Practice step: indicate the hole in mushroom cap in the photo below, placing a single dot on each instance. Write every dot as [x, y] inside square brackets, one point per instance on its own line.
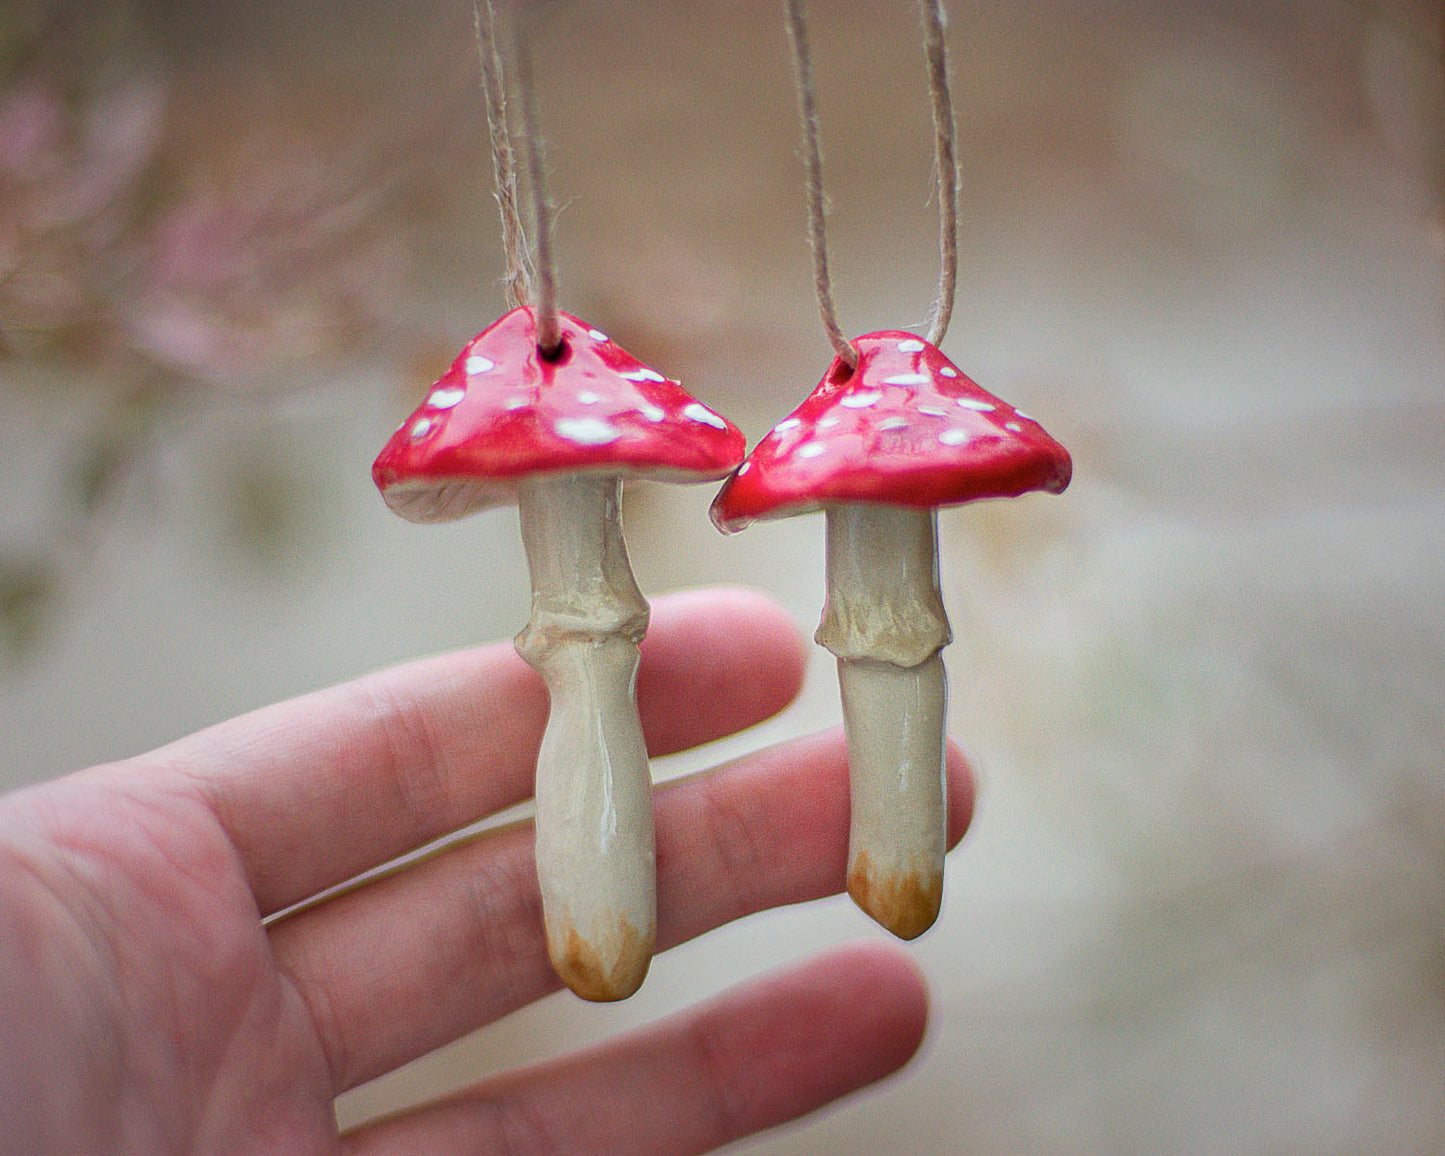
[840, 372]
[557, 355]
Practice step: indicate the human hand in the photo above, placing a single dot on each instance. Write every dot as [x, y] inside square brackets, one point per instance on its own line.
[151, 1001]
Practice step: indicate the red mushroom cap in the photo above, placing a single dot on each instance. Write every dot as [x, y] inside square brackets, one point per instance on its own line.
[503, 412]
[905, 428]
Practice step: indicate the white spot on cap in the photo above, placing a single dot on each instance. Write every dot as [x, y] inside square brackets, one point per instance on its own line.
[932, 411]
[586, 431]
[476, 364]
[912, 346]
[643, 374]
[587, 397]
[893, 423]
[786, 424]
[596, 335]
[811, 450]
[947, 371]
[445, 398]
[420, 428]
[514, 402]
[1020, 413]
[651, 412]
[975, 404]
[862, 400]
[953, 437]
[1013, 425]
[827, 422]
[907, 379]
[744, 468]
[699, 412]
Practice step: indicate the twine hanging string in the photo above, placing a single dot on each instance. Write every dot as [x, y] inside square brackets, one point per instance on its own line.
[504, 171]
[797, 23]
[529, 278]
[548, 334]
[936, 56]
[935, 51]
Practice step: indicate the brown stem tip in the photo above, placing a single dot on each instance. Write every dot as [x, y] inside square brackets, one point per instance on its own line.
[906, 904]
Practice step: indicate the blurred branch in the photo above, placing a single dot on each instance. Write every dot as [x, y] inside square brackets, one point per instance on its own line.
[28, 588]
[175, 239]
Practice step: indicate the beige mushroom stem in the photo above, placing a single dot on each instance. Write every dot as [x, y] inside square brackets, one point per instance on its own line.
[885, 622]
[595, 856]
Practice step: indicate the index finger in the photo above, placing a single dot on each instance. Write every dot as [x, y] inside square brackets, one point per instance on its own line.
[314, 791]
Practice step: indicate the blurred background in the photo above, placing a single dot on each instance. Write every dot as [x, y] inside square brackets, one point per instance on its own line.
[1202, 908]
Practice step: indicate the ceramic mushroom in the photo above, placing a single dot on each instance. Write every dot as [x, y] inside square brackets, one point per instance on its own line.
[557, 435]
[880, 448]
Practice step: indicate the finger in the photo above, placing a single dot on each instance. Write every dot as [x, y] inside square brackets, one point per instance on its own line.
[758, 1055]
[316, 790]
[410, 962]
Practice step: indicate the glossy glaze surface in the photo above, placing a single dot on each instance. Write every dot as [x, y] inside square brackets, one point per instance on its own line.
[503, 412]
[907, 427]
[894, 719]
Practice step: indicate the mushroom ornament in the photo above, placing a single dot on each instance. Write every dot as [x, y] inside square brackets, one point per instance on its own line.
[879, 447]
[557, 435]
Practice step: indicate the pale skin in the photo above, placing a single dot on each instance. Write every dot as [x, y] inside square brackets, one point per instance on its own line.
[146, 1007]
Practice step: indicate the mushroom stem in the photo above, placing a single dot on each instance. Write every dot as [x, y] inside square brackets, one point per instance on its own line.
[884, 620]
[595, 856]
